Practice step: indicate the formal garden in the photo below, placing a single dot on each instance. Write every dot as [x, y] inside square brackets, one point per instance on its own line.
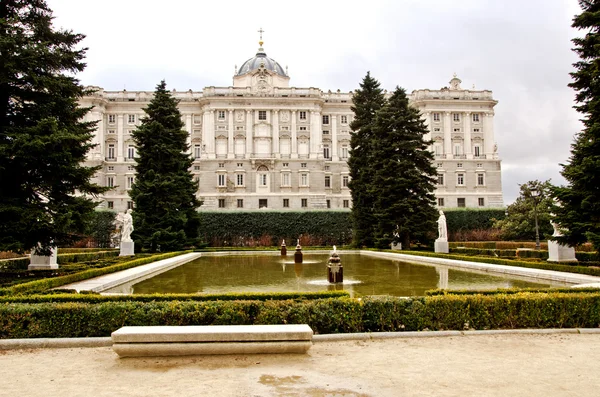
[48, 200]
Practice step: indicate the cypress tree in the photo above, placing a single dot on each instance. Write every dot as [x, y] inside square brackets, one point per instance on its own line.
[578, 203]
[164, 192]
[403, 180]
[45, 191]
[367, 100]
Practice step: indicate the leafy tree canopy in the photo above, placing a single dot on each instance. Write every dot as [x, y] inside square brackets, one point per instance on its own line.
[519, 224]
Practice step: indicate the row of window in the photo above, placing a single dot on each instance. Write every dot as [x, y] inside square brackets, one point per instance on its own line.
[286, 178]
[111, 205]
[263, 203]
[460, 179]
[111, 152]
[461, 202]
[284, 146]
[475, 117]
[112, 118]
[457, 130]
[457, 150]
[110, 181]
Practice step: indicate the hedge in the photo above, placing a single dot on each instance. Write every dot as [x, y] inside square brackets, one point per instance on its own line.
[472, 218]
[62, 296]
[268, 228]
[48, 283]
[574, 268]
[23, 263]
[498, 291]
[324, 316]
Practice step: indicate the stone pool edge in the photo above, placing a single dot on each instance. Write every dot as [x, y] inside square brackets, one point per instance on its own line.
[540, 274]
[106, 282]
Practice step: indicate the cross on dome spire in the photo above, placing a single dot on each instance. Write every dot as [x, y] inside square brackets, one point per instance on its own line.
[261, 31]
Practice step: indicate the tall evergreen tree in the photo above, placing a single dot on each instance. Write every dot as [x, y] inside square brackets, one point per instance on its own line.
[367, 100]
[44, 190]
[578, 209]
[403, 179]
[164, 192]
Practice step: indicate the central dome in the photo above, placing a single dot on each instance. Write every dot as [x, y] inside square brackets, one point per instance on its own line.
[255, 62]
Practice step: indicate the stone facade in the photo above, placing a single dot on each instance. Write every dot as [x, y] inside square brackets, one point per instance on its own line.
[262, 144]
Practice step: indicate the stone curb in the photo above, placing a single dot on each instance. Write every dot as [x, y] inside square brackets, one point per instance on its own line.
[433, 334]
[55, 343]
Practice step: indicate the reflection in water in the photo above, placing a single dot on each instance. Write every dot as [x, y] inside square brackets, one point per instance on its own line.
[269, 273]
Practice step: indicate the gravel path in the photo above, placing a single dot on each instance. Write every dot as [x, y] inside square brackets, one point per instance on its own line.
[483, 365]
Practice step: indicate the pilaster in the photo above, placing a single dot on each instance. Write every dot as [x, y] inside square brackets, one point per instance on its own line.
[334, 141]
[447, 135]
[468, 146]
[120, 138]
[294, 153]
[230, 148]
[249, 135]
[275, 132]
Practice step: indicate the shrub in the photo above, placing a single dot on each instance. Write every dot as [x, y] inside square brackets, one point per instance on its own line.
[441, 312]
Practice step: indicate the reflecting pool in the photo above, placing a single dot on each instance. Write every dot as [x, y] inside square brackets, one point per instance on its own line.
[363, 275]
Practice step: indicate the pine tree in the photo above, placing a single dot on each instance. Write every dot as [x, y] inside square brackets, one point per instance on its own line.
[403, 180]
[44, 190]
[164, 192]
[578, 204]
[366, 102]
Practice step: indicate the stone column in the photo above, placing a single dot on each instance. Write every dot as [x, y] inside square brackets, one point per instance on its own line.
[447, 135]
[97, 153]
[488, 135]
[230, 149]
[205, 132]
[249, 135]
[294, 149]
[120, 142]
[188, 128]
[210, 144]
[468, 146]
[334, 143]
[315, 133]
[275, 138]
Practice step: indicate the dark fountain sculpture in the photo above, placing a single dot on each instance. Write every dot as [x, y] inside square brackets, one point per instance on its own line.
[298, 253]
[335, 270]
[283, 249]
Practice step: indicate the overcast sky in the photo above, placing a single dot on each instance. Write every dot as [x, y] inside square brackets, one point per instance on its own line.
[519, 49]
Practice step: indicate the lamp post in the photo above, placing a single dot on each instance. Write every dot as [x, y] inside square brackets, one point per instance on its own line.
[535, 193]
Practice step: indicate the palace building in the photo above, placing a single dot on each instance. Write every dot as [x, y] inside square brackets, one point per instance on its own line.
[260, 143]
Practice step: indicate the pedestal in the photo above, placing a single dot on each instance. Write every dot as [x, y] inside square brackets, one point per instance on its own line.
[127, 248]
[335, 273]
[43, 262]
[396, 246]
[560, 253]
[441, 246]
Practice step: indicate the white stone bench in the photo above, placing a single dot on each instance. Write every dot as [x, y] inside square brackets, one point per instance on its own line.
[211, 339]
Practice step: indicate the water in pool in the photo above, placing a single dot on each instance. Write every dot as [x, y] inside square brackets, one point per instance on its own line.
[363, 275]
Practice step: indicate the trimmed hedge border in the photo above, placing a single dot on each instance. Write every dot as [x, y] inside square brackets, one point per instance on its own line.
[98, 298]
[22, 263]
[48, 283]
[436, 292]
[515, 253]
[509, 262]
[324, 316]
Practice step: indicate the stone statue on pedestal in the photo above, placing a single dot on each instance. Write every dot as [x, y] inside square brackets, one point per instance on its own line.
[442, 228]
[127, 245]
[441, 244]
